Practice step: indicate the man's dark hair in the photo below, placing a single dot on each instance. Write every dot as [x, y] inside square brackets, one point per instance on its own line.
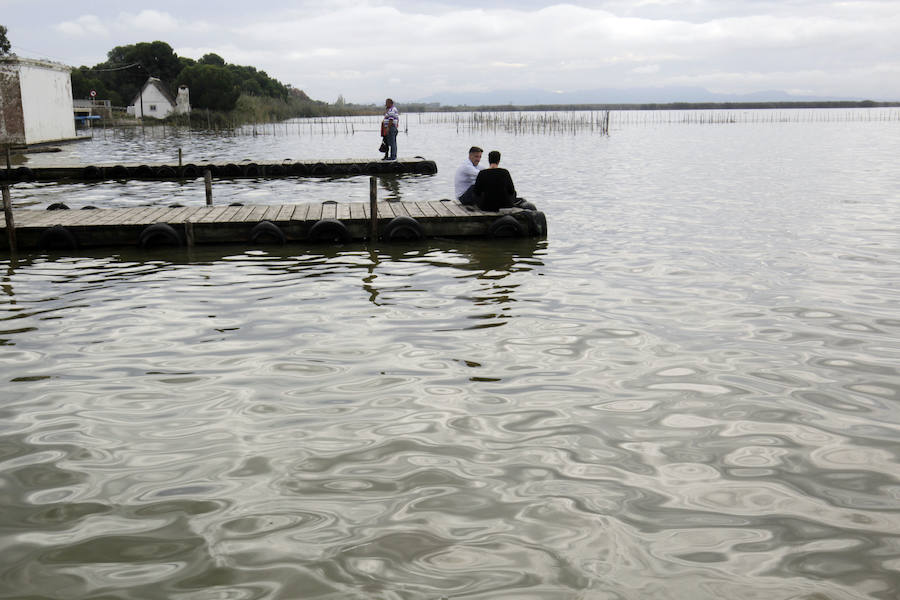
[494, 157]
[475, 149]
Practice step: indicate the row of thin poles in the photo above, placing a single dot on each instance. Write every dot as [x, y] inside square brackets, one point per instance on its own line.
[524, 122]
[315, 126]
[725, 116]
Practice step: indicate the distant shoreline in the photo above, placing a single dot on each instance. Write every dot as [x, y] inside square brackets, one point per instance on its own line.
[417, 107]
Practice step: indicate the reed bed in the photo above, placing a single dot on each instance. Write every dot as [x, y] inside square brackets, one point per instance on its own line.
[726, 116]
[306, 126]
[540, 123]
[515, 122]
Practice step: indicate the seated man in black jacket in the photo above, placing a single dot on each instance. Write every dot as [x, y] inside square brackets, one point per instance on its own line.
[494, 187]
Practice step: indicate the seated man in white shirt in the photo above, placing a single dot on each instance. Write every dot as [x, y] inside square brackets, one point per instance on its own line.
[465, 176]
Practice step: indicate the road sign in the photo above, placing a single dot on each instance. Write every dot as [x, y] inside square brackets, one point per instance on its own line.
[93, 93]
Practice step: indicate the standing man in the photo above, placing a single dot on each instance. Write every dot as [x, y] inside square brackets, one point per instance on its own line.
[494, 187]
[391, 124]
[465, 176]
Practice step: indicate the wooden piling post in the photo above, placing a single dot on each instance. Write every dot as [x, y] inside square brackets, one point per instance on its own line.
[373, 208]
[10, 222]
[207, 178]
[189, 233]
[179, 158]
[8, 159]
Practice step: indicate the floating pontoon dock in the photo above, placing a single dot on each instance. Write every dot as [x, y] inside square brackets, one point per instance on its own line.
[286, 168]
[328, 222]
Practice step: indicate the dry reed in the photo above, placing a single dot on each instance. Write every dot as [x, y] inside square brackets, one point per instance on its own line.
[534, 123]
[517, 122]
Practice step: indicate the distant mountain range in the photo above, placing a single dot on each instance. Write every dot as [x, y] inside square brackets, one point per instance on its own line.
[648, 95]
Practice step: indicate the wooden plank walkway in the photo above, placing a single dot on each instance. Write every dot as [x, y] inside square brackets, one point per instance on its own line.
[156, 172]
[257, 224]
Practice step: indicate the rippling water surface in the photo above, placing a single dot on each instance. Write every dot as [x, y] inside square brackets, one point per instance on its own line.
[690, 390]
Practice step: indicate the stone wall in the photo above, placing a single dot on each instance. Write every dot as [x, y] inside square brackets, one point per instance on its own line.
[12, 121]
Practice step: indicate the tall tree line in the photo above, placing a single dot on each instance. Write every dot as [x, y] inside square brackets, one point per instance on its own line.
[213, 83]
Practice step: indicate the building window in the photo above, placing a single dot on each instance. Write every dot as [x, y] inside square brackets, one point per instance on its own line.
[152, 108]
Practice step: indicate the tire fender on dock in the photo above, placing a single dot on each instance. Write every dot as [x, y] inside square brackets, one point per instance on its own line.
[403, 229]
[425, 167]
[119, 172]
[506, 226]
[143, 172]
[329, 230]
[267, 232]
[91, 172]
[538, 222]
[24, 174]
[58, 238]
[159, 234]
[190, 171]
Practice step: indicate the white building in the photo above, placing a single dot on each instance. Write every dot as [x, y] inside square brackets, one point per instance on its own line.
[35, 102]
[183, 101]
[154, 100]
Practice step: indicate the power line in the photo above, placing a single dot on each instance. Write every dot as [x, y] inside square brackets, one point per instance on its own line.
[17, 49]
[117, 68]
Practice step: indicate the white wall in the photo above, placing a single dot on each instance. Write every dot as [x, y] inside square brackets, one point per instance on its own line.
[152, 97]
[46, 102]
[183, 101]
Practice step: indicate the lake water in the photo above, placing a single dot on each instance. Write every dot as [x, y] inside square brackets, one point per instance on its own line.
[689, 390]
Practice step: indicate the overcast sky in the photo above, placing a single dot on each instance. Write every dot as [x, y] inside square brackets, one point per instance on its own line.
[367, 50]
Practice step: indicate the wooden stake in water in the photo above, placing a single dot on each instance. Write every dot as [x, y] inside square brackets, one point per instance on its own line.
[189, 233]
[179, 158]
[373, 208]
[10, 223]
[207, 178]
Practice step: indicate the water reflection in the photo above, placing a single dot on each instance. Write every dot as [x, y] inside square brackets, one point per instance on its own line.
[391, 185]
[6, 285]
[692, 394]
[489, 261]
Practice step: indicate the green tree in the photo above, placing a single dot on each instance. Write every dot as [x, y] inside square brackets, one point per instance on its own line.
[4, 42]
[251, 87]
[258, 82]
[128, 67]
[84, 80]
[212, 59]
[211, 87]
[157, 58]
[213, 83]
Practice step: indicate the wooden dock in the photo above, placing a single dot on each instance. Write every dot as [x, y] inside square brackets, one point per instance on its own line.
[159, 172]
[328, 222]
